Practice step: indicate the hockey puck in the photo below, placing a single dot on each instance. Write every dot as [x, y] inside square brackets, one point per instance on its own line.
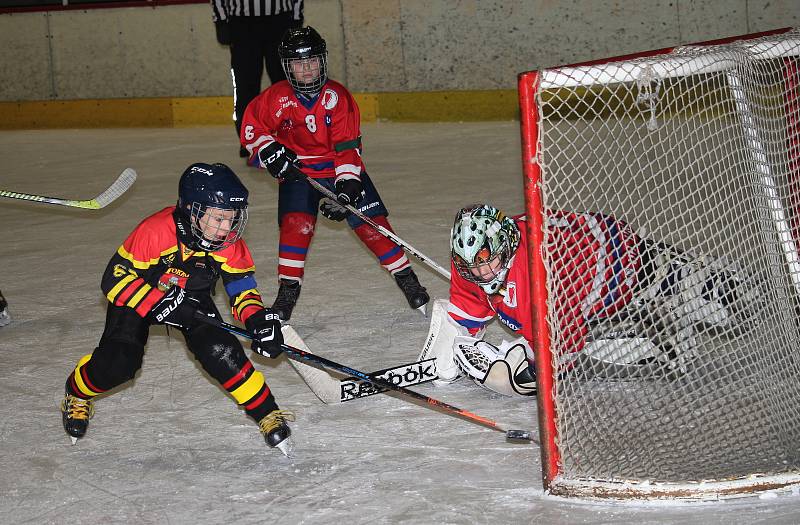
[523, 435]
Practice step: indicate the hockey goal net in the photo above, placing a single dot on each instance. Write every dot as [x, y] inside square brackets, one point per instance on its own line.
[691, 388]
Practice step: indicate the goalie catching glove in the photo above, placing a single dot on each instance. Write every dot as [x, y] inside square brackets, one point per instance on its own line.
[279, 161]
[265, 325]
[504, 370]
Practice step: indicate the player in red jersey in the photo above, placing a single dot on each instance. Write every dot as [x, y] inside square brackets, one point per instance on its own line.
[608, 276]
[312, 123]
[164, 273]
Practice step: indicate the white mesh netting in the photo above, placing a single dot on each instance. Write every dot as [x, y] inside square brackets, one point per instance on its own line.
[671, 184]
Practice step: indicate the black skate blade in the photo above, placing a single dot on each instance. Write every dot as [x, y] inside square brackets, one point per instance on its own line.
[520, 435]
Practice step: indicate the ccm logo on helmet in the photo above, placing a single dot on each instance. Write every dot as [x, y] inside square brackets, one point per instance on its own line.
[202, 170]
[236, 199]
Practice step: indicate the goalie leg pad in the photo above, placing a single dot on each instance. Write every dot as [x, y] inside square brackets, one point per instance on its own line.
[439, 343]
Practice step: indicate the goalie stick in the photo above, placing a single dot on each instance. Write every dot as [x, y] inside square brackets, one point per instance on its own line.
[380, 229]
[331, 390]
[120, 186]
[303, 356]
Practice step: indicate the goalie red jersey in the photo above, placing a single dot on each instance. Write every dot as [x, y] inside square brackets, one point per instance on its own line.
[596, 258]
[323, 130]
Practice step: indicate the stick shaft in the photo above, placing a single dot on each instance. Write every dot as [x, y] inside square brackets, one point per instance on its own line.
[303, 356]
[383, 231]
[117, 188]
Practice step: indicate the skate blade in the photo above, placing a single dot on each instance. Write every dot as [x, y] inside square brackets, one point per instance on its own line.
[423, 310]
[287, 447]
[74, 440]
[5, 318]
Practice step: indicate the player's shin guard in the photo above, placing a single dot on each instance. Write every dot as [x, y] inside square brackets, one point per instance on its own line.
[296, 232]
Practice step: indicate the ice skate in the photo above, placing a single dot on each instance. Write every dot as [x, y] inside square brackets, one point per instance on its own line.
[5, 317]
[415, 293]
[75, 414]
[277, 432]
[288, 293]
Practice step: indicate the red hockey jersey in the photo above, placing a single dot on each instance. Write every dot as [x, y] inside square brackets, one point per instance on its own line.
[324, 132]
[594, 263]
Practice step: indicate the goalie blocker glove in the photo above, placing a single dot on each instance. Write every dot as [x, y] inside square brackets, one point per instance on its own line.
[279, 161]
[265, 325]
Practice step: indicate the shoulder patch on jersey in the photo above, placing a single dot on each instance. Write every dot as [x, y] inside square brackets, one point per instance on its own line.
[329, 99]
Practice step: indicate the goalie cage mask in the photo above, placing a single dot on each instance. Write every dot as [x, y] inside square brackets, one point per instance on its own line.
[212, 207]
[306, 45]
[483, 242]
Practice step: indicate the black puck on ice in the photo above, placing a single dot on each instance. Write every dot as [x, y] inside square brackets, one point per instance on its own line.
[523, 435]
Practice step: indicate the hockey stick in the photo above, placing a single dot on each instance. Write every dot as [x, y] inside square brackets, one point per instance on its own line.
[120, 186]
[331, 390]
[383, 231]
[303, 356]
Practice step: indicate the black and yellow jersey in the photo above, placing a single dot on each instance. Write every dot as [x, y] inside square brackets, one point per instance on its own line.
[151, 260]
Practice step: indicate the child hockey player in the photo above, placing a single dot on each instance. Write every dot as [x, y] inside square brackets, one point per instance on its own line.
[608, 278]
[164, 273]
[312, 123]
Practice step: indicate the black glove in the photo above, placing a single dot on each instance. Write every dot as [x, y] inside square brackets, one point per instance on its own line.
[223, 32]
[267, 336]
[333, 210]
[349, 191]
[279, 161]
[176, 308]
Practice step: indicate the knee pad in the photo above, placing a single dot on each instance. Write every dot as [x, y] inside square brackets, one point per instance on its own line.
[114, 362]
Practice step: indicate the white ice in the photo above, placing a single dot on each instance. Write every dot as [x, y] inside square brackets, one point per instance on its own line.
[172, 447]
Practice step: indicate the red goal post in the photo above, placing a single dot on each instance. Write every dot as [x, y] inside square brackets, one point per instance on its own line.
[696, 147]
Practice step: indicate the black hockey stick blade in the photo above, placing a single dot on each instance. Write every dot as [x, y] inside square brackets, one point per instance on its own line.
[523, 435]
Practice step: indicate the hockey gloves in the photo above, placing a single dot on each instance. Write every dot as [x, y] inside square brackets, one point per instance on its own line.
[265, 325]
[333, 210]
[349, 191]
[279, 162]
[175, 309]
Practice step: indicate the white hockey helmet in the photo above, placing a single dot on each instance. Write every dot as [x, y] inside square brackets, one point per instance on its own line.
[483, 242]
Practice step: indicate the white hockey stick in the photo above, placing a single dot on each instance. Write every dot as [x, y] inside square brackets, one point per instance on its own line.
[331, 390]
[120, 186]
[383, 231]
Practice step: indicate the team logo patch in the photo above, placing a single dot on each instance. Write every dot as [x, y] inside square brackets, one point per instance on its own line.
[329, 99]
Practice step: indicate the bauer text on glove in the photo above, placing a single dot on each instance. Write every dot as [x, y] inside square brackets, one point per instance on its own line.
[176, 308]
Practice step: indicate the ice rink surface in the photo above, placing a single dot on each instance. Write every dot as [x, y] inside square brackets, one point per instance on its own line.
[172, 447]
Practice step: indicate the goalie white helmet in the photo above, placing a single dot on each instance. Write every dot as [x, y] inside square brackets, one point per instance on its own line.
[483, 242]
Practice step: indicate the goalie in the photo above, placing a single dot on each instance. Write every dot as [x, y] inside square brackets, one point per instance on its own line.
[606, 279]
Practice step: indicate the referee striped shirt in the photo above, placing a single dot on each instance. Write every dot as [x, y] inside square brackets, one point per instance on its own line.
[224, 9]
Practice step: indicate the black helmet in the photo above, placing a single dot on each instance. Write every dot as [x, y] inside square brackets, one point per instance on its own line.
[304, 44]
[212, 207]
